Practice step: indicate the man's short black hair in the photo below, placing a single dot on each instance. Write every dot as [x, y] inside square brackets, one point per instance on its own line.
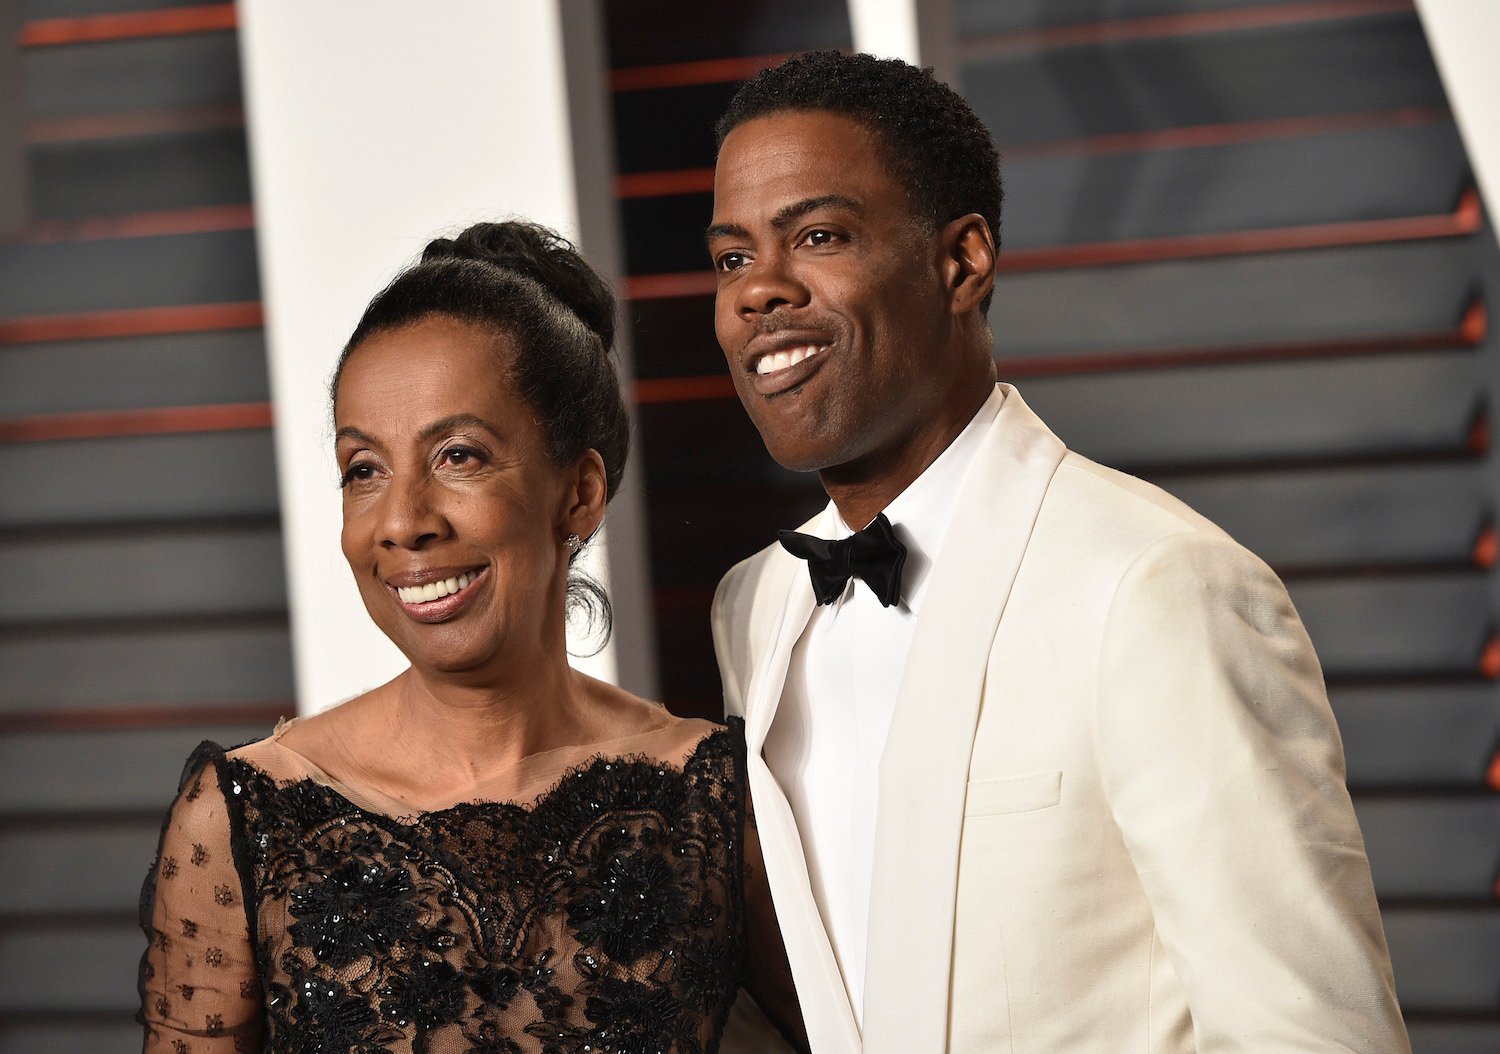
[935, 145]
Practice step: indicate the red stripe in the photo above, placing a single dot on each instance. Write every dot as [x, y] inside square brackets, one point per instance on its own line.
[661, 184]
[94, 719]
[1465, 219]
[681, 74]
[112, 424]
[131, 25]
[202, 220]
[1157, 27]
[1471, 331]
[668, 286]
[132, 322]
[142, 122]
[684, 389]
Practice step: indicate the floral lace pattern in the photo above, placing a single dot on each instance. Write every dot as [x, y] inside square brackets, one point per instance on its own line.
[605, 918]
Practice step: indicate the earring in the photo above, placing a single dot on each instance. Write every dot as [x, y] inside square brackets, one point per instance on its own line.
[573, 542]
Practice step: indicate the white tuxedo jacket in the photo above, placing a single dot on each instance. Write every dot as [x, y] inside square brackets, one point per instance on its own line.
[1112, 810]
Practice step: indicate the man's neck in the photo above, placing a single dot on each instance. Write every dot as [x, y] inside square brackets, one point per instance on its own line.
[863, 489]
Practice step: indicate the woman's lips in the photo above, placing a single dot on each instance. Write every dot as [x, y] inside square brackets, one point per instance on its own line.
[439, 608]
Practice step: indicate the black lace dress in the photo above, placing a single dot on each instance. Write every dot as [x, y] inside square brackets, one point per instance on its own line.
[603, 913]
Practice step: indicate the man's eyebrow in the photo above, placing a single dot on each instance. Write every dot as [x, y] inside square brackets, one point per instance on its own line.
[797, 209]
[788, 215]
[725, 230]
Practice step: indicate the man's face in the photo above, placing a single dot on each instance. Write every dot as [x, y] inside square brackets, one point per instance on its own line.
[831, 305]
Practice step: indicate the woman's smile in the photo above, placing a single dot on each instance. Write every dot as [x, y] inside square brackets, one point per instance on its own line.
[436, 596]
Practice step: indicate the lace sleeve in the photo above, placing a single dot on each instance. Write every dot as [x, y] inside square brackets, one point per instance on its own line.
[199, 990]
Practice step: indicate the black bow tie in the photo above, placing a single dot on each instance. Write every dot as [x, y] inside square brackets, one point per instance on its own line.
[874, 554]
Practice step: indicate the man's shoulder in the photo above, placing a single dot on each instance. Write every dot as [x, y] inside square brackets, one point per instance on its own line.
[1098, 514]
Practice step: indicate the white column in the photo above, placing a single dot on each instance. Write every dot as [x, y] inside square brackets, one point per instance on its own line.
[1463, 35]
[916, 31]
[373, 125]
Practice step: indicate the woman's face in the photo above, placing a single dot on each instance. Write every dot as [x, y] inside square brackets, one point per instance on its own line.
[454, 515]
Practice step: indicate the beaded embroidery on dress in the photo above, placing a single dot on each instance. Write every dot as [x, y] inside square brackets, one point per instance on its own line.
[606, 916]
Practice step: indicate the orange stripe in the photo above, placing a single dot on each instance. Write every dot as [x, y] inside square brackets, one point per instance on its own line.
[1156, 27]
[681, 74]
[131, 25]
[202, 220]
[92, 719]
[141, 122]
[132, 322]
[111, 424]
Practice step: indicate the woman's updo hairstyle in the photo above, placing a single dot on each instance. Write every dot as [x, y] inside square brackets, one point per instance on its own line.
[529, 283]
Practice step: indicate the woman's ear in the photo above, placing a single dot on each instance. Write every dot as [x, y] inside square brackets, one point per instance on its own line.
[588, 492]
[968, 248]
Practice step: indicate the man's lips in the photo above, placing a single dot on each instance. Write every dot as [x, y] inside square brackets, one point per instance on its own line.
[777, 364]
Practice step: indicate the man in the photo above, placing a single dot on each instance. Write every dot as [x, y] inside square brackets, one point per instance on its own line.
[1053, 769]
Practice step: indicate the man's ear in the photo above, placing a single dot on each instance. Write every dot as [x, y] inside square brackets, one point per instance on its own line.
[968, 249]
[588, 491]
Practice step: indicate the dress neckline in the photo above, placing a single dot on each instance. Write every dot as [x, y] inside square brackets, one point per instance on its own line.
[531, 779]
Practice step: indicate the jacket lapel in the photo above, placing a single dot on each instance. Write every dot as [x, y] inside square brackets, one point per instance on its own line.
[820, 987]
[924, 771]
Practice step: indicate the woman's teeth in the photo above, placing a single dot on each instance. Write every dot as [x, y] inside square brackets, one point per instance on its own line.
[780, 360]
[434, 590]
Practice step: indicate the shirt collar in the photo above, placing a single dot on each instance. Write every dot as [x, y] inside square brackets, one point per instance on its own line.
[922, 512]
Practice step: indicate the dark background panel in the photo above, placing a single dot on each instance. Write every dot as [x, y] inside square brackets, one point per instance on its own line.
[122, 76]
[1417, 735]
[209, 476]
[1332, 67]
[120, 273]
[1272, 298]
[653, 32]
[213, 666]
[974, 18]
[660, 129]
[139, 173]
[180, 369]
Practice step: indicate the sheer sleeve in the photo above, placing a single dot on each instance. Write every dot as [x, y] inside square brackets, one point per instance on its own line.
[200, 993]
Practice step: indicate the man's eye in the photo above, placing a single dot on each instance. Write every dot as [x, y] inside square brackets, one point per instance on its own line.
[821, 237]
[730, 261]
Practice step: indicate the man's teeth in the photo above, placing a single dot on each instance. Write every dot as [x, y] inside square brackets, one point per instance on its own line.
[780, 360]
[434, 590]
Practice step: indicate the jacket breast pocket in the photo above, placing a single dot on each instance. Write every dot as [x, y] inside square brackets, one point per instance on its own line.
[1040, 790]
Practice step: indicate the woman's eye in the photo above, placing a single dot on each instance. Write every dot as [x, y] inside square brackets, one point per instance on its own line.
[359, 472]
[460, 457]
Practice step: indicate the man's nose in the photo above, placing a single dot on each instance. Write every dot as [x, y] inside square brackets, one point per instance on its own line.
[769, 284]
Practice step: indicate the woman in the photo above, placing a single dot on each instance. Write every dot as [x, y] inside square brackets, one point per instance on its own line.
[492, 853]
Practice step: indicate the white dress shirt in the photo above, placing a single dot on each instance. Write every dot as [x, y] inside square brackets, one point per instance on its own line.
[825, 743]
